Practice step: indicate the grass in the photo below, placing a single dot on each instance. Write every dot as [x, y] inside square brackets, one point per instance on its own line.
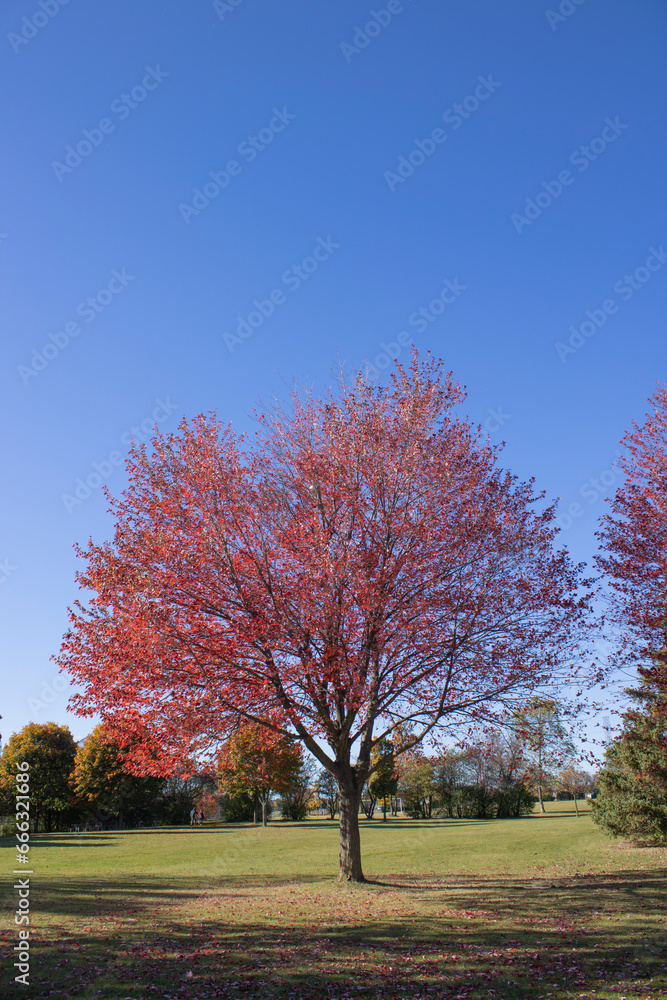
[537, 907]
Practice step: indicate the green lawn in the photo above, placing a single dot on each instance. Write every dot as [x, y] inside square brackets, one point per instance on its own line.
[538, 907]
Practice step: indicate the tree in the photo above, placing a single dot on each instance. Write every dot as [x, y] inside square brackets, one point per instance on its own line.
[364, 562]
[484, 781]
[477, 797]
[632, 786]
[449, 774]
[241, 808]
[180, 793]
[208, 804]
[257, 760]
[102, 781]
[574, 782]
[327, 791]
[50, 750]
[416, 785]
[633, 540]
[384, 779]
[298, 794]
[546, 741]
[506, 769]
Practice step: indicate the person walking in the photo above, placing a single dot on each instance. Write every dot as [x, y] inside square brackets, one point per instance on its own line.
[193, 813]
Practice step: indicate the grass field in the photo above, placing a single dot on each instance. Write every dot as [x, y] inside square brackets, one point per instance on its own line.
[537, 907]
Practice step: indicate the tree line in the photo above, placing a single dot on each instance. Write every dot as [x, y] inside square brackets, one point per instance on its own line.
[256, 770]
[89, 784]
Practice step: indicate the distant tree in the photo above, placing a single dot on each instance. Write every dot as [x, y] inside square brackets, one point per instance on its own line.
[258, 761]
[101, 780]
[179, 794]
[547, 743]
[299, 792]
[241, 808]
[416, 785]
[327, 791]
[477, 797]
[509, 775]
[384, 780]
[632, 786]
[208, 803]
[487, 780]
[50, 750]
[574, 782]
[449, 774]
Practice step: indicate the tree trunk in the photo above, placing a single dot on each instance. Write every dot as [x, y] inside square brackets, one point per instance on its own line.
[350, 841]
[539, 764]
[370, 812]
[263, 812]
[254, 808]
[384, 809]
[539, 793]
[576, 807]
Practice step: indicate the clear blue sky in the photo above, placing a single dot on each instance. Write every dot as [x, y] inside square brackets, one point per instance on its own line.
[304, 120]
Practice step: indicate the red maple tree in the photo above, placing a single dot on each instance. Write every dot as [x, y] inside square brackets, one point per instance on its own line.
[634, 538]
[363, 563]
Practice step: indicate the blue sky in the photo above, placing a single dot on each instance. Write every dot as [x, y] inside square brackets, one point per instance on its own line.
[498, 166]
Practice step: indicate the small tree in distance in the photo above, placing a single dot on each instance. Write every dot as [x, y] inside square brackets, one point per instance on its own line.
[545, 739]
[384, 780]
[297, 795]
[258, 761]
[416, 785]
[327, 791]
[364, 563]
[574, 782]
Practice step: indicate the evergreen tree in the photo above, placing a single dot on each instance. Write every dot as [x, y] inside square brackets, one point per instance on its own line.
[632, 786]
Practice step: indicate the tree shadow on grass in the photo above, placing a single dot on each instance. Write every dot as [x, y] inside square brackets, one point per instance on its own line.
[234, 936]
[93, 839]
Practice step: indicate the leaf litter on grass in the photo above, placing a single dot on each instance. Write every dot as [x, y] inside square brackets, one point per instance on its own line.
[146, 928]
[410, 938]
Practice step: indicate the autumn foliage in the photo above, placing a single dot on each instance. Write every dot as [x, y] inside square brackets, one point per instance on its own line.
[633, 782]
[634, 539]
[362, 562]
[50, 751]
[258, 760]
